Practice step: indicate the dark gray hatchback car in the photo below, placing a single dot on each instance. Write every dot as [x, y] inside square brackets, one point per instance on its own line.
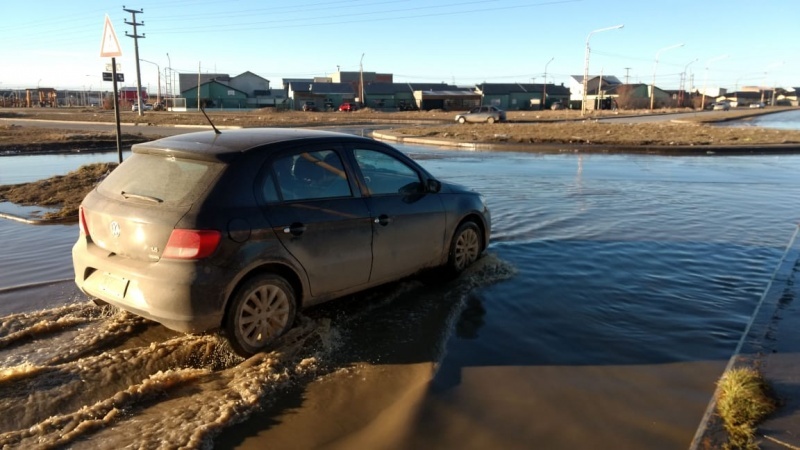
[239, 230]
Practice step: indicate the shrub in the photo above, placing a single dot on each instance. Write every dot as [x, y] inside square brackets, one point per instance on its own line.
[743, 401]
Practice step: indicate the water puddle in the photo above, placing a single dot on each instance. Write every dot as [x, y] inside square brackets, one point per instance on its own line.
[13, 210]
[96, 377]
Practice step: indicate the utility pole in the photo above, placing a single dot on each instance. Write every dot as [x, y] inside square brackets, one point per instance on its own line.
[158, 86]
[136, 37]
[599, 103]
[544, 85]
[627, 74]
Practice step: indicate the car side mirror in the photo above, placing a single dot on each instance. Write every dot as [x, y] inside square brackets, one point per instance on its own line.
[434, 186]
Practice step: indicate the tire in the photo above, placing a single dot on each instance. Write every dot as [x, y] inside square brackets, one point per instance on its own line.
[462, 120]
[262, 310]
[490, 120]
[465, 248]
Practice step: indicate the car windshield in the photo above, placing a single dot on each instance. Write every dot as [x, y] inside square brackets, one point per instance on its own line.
[159, 179]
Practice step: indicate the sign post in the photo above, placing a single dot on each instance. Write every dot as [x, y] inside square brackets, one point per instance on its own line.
[110, 48]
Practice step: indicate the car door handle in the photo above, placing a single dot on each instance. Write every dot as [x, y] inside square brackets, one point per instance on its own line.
[383, 219]
[295, 229]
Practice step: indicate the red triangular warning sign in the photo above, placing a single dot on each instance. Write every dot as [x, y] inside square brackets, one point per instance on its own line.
[110, 47]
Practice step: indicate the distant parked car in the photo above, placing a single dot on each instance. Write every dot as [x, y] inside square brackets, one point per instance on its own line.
[241, 230]
[721, 106]
[758, 105]
[556, 106]
[488, 114]
[310, 106]
[145, 107]
[347, 106]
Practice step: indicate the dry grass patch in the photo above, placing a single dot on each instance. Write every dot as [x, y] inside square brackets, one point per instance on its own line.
[743, 401]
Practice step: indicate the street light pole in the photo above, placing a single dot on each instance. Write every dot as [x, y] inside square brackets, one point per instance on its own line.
[655, 66]
[586, 65]
[683, 81]
[158, 71]
[766, 70]
[544, 85]
[705, 81]
[361, 80]
[170, 87]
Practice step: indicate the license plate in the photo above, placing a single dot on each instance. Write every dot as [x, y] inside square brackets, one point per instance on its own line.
[114, 285]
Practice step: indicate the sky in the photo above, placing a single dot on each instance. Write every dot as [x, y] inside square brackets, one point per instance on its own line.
[729, 44]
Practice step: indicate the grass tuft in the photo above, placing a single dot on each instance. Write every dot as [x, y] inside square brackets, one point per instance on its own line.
[744, 401]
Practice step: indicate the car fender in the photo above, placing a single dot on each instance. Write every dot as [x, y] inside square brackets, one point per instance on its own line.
[278, 263]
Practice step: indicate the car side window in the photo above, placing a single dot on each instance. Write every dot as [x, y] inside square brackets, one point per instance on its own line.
[306, 176]
[384, 174]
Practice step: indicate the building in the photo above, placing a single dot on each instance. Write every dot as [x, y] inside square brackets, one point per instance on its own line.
[424, 96]
[368, 89]
[220, 90]
[325, 95]
[215, 94]
[127, 96]
[516, 96]
[594, 84]
[355, 80]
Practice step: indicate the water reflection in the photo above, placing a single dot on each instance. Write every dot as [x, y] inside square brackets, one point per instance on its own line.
[471, 318]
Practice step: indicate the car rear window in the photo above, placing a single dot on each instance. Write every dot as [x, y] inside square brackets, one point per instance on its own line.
[160, 179]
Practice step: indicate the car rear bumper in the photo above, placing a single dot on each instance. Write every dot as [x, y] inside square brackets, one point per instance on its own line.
[180, 295]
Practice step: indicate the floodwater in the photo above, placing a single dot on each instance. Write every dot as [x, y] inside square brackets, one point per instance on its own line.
[614, 291]
[789, 120]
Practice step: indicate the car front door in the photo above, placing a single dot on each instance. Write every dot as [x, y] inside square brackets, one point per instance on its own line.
[313, 211]
[408, 222]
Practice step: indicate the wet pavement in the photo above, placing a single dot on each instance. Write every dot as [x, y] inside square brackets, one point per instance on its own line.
[771, 343]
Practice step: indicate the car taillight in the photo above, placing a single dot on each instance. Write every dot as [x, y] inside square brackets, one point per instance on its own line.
[191, 244]
[83, 226]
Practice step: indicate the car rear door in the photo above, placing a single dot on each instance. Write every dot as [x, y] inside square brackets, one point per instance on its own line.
[408, 223]
[310, 203]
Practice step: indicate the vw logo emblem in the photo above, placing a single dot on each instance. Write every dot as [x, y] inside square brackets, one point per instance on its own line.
[115, 229]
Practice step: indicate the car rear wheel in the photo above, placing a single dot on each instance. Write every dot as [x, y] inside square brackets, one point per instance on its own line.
[262, 310]
[490, 120]
[465, 248]
[462, 119]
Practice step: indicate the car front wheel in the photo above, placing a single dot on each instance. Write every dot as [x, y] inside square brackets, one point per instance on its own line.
[490, 120]
[262, 310]
[465, 248]
[462, 120]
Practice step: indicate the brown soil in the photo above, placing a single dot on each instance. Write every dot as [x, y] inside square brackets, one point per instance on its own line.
[66, 191]
[33, 140]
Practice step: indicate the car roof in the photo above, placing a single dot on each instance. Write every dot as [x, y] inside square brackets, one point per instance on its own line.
[207, 145]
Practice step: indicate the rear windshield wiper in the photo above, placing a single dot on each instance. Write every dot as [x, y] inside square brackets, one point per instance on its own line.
[148, 198]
